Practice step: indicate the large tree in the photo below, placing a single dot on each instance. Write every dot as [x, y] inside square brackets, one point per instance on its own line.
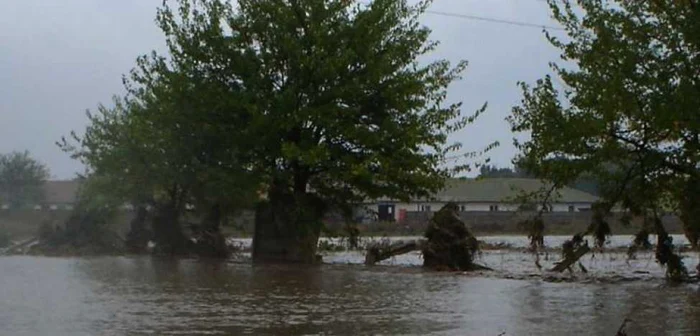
[22, 180]
[334, 99]
[166, 146]
[319, 103]
[625, 109]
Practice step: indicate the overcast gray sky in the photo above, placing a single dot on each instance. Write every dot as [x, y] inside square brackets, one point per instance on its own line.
[61, 57]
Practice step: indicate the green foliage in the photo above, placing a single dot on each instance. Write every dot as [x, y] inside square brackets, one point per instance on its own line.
[85, 232]
[4, 239]
[599, 228]
[641, 241]
[352, 234]
[690, 210]
[21, 179]
[629, 99]
[535, 231]
[489, 171]
[626, 112]
[297, 96]
[538, 201]
[46, 232]
[587, 184]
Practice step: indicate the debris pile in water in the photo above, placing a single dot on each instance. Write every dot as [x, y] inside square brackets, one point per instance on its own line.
[450, 244]
[385, 249]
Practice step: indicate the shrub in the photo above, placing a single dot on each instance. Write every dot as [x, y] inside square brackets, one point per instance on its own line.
[4, 239]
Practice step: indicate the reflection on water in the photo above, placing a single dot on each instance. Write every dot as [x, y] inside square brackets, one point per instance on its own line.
[134, 296]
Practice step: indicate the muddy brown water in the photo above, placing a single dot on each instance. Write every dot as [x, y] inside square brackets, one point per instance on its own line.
[151, 296]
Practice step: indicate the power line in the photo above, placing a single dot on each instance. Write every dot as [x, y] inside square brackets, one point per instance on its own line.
[494, 20]
[489, 19]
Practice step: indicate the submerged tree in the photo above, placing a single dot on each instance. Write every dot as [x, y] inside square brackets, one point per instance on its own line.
[315, 104]
[337, 105]
[167, 146]
[626, 111]
[164, 147]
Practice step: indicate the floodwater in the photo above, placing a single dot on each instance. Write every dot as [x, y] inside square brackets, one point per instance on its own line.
[152, 296]
[515, 241]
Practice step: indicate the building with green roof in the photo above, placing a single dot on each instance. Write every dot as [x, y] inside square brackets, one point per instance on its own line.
[484, 195]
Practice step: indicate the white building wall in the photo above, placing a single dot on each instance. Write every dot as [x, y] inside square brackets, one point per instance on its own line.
[475, 206]
[566, 207]
[369, 211]
[508, 207]
[579, 206]
[416, 206]
[560, 207]
[423, 206]
[435, 206]
[485, 207]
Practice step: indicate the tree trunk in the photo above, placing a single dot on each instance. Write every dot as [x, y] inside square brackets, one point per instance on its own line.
[167, 231]
[690, 211]
[287, 227]
[379, 252]
[211, 242]
[138, 236]
[570, 260]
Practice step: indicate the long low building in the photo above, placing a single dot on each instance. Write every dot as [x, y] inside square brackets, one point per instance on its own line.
[472, 195]
[481, 195]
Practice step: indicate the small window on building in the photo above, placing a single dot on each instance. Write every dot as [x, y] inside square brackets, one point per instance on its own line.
[37, 207]
[425, 208]
[5, 206]
[390, 210]
[493, 208]
[463, 208]
[572, 208]
[68, 207]
[53, 207]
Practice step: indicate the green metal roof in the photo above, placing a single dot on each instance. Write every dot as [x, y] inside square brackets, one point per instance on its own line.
[504, 190]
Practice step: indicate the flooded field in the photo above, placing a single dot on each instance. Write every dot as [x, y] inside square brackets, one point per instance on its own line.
[511, 261]
[515, 242]
[152, 296]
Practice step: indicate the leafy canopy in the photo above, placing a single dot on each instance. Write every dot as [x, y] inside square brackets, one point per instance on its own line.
[627, 111]
[624, 110]
[22, 179]
[306, 95]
